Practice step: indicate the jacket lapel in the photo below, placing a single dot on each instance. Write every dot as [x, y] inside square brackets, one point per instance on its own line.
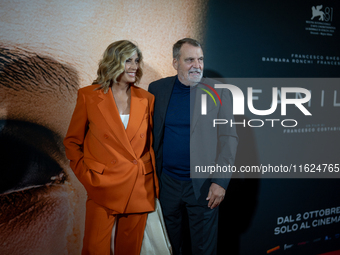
[138, 108]
[197, 105]
[164, 99]
[108, 109]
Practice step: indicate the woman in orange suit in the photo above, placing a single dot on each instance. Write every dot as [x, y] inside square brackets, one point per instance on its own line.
[109, 147]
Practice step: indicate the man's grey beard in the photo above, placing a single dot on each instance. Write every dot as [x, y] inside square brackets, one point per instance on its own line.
[195, 80]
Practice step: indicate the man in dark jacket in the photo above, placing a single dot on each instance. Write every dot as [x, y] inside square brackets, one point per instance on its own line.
[184, 139]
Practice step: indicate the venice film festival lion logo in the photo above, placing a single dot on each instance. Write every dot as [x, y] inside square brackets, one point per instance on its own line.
[316, 12]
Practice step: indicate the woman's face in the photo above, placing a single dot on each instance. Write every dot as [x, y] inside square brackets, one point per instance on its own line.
[49, 49]
[130, 70]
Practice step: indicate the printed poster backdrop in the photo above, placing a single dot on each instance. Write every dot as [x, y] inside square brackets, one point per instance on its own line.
[49, 49]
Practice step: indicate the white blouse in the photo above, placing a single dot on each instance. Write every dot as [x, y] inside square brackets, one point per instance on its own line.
[125, 119]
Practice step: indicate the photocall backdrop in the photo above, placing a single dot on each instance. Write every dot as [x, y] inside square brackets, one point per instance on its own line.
[49, 49]
[266, 44]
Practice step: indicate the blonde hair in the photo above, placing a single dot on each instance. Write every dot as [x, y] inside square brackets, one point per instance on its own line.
[112, 65]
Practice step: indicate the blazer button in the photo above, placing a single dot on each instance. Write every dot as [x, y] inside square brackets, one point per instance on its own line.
[141, 135]
[106, 136]
[113, 161]
[134, 161]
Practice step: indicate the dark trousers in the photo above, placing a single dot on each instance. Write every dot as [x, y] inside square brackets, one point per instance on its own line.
[178, 201]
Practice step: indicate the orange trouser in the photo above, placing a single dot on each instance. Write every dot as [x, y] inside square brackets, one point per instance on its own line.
[98, 228]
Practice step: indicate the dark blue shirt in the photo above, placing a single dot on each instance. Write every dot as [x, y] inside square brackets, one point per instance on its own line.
[176, 142]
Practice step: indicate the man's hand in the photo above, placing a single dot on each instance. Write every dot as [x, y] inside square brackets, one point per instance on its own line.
[215, 196]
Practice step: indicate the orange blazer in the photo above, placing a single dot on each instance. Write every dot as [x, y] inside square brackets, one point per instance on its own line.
[115, 165]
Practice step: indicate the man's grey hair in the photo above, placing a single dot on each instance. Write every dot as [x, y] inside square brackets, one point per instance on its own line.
[178, 45]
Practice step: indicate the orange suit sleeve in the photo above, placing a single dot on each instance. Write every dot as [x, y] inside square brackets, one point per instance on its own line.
[75, 136]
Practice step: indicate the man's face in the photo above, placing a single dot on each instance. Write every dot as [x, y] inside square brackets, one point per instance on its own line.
[189, 66]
